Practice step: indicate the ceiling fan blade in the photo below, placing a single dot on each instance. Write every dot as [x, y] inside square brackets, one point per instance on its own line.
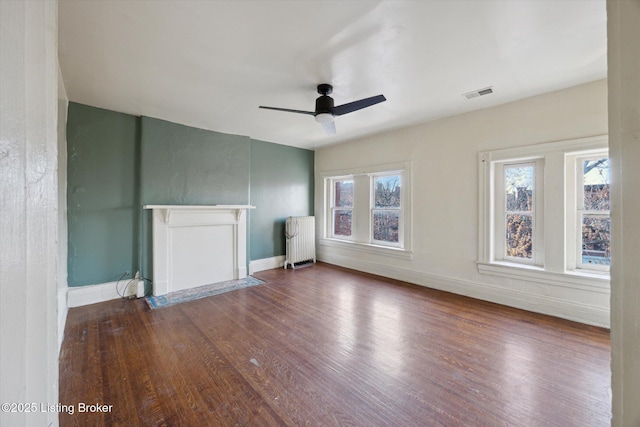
[357, 105]
[289, 110]
[329, 127]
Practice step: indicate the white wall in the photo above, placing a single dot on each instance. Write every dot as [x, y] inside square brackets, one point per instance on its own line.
[624, 124]
[445, 196]
[28, 203]
[63, 107]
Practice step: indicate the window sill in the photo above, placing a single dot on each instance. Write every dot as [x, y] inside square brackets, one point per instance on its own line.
[367, 248]
[579, 279]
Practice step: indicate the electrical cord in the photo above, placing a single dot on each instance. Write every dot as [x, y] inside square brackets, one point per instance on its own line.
[123, 294]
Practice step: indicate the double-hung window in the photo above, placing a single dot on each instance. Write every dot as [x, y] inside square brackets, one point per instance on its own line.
[519, 210]
[386, 209]
[341, 208]
[369, 207]
[593, 220]
[519, 195]
[545, 208]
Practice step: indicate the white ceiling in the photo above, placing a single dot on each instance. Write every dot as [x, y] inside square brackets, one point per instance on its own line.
[210, 64]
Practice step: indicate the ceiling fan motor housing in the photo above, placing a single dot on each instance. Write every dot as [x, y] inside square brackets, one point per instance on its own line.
[324, 104]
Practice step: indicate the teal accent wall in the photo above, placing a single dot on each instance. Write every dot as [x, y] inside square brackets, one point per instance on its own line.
[182, 165]
[102, 194]
[118, 163]
[281, 185]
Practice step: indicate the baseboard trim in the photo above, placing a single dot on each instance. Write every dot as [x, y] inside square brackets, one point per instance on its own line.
[266, 264]
[91, 294]
[579, 312]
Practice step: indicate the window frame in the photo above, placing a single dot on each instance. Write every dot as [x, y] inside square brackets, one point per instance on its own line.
[362, 219]
[580, 211]
[537, 220]
[333, 208]
[557, 263]
[373, 208]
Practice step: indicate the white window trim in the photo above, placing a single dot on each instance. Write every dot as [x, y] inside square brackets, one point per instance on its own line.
[331, 226]
[372, 208]
[370, 246]
[574, 162]
[559, 219]
[537, 213]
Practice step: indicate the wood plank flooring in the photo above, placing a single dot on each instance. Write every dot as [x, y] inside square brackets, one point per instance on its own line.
[327, 346]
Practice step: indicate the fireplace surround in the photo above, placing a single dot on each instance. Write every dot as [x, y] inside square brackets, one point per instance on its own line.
[195, 245]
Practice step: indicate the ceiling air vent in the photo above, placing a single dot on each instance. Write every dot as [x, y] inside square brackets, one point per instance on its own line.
[478, 93]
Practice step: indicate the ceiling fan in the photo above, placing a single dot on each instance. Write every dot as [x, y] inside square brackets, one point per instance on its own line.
[325, 110]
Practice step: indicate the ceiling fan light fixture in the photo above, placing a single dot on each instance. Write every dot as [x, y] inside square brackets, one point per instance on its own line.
[324, 118]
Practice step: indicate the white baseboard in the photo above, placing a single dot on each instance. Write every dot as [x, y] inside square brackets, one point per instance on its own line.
[570, 310]
[266, 264]
[91, 294]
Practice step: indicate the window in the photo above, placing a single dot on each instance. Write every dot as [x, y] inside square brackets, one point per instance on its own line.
[545, 208]
[342, 208]
[519, 212]
[386, 209]
[369, 208]
[593, 213]
[518, 198]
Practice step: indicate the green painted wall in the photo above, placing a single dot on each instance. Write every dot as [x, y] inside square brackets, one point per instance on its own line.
[102, 194]
[118, 163]
[182, 165]
[281, 185]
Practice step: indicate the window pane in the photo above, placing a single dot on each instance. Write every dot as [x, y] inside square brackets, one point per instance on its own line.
[385, 225]
[342, 223]
[518, 234]
[596, 239]
[518, 183]
[387, 191]
[596, 184]
[343, 194]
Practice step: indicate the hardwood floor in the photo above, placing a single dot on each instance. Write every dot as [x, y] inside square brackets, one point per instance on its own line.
[326, 346]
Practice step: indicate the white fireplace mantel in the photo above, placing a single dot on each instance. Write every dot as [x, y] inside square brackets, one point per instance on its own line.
[196, 245]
